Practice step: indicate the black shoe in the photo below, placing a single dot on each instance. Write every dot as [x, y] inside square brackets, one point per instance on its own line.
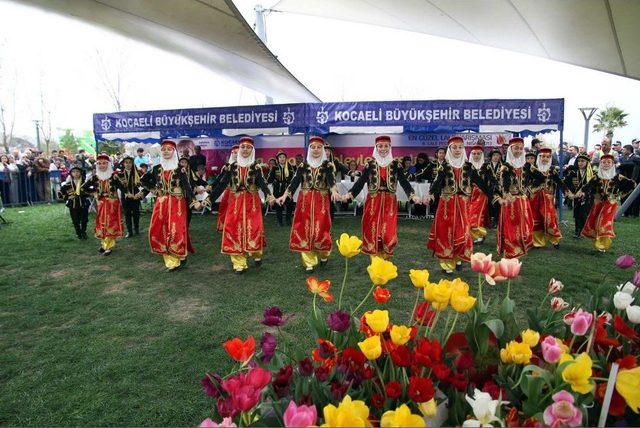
[183, 262]
[459, 267]
[308, 269]
[576, 236]
[79, 236]
[106, 253]
[323, 263]
[239, 272]
[84, 235]
[447, 272]
[556, 246]
[101, 250]
[258, 262]
[128, 235]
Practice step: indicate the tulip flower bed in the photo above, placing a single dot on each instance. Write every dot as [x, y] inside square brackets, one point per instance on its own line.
[454, 358]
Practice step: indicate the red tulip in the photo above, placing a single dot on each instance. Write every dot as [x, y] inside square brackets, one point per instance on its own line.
[239, 350]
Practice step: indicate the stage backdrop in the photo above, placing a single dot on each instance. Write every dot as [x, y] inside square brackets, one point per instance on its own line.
[348, 147]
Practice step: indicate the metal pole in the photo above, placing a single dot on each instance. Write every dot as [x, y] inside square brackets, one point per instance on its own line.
[261, 31]
[561, 162]
[587, 118]
[627, 203]
[37, 122]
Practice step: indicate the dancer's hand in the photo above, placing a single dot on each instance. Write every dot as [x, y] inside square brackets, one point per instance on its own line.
[271, 200]
[345, 198]
[281, 199]
[336, 197]
[416, 200]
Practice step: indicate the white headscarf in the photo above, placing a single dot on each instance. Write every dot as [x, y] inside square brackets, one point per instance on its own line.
[170, 164]
[456, 163]
[315, 162]
[516, 162]
[542, 167]
[382, 161]
[608, 174]
[104, 175]
[233, 157]
[478, 164]
[248, 160]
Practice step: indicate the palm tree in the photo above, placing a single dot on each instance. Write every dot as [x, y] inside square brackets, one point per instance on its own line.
[609, 119]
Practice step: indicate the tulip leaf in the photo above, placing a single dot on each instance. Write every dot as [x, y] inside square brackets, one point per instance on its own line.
[496, 326]
[507, 307]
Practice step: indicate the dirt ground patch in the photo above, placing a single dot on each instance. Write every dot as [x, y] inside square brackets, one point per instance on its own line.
[119, 286]
[186, 309]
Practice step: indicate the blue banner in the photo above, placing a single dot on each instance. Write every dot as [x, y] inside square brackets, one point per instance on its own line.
[445, 116]
[434, 116]
[201, 120]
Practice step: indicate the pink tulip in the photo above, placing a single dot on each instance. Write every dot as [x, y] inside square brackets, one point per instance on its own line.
[509, 268]
[562, 412]
[551, 351]
[300, 416]
[481, 263]
[636, 278]
[207, 423]
[581, 322]
[259, 377]
[625, 261]
[245, 398]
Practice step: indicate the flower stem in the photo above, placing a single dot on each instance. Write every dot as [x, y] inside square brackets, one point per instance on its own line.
[508, 288]
[433, 324]
[480, 293]
[415, 305]
[344, 280]
[455, 319]
[315, 312]
[363, 300]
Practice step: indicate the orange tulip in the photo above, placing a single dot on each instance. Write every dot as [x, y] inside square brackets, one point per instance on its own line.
[320, 288]
[239, 350]
[381, 295]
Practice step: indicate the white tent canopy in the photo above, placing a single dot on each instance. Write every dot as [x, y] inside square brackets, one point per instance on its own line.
[598, 34]
[210, 32]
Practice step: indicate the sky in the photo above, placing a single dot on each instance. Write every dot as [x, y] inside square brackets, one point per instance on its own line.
[337, 60]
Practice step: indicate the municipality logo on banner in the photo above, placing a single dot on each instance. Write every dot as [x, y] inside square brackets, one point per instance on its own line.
[322, 116]
[544, 113]
[288, 117]
[105, 124]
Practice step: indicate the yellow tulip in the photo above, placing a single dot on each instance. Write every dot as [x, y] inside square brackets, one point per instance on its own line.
[530, 337]
[400, 334]
[428, 408]
[516, 352]
[381, 271]
[461, 302]
[371, 347]
[428, 291]
[349, 246]
[377, 320]
[458, 285]
[419, 278]
[628, 385]
[578, 374]
[441, 295]
[401, 417]
[349, 413]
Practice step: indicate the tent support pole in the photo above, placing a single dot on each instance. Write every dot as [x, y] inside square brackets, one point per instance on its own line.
[561, 161]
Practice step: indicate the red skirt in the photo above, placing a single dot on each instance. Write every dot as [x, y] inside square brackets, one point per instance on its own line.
[544, 214]
[108, 219]
[168, 231]
[311, 230]
[515, 228]
[599, 222]
[449, 237]
[222, 209]
[243, 230]
[478, 209]
[380, 223]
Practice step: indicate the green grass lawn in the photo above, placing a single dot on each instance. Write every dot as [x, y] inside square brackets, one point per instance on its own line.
[90, 340]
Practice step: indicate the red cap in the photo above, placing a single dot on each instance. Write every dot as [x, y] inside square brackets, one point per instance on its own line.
[316, 139]
[607, 157]
[168, 143]
[477, 147]
[455, 139]
[381, 138]
[544, 150]
[247, 140]
[516, 140]
[103, 156]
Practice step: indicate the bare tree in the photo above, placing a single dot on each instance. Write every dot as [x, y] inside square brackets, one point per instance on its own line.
[7, 106]
[110, 68]
[46, 128]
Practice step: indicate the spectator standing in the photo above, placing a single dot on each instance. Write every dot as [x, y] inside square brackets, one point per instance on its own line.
[606, 150]
[630, 168]
[197, 159]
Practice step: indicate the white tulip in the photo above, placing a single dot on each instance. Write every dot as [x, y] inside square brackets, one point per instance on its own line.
[628, 288]
[633, 313]
[621, 300]
[484, 409]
